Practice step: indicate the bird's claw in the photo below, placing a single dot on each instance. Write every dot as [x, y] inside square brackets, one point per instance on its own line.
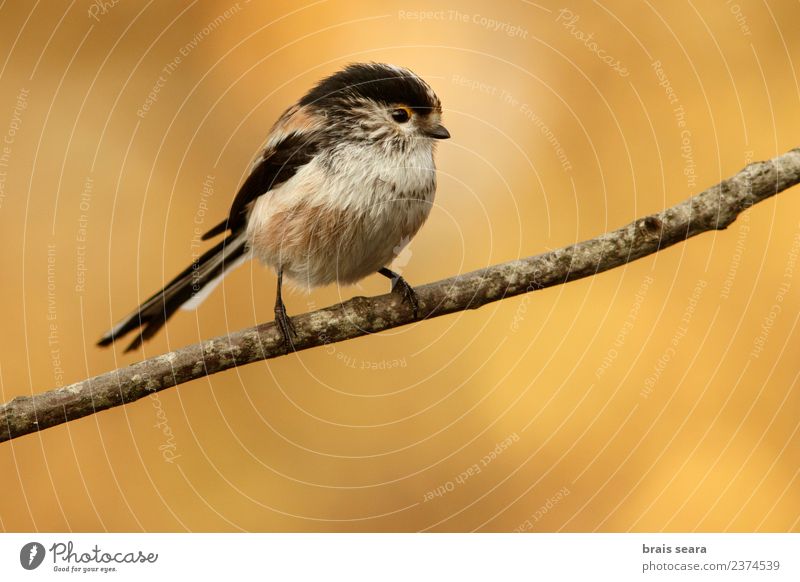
[284, 323]
[401, 287]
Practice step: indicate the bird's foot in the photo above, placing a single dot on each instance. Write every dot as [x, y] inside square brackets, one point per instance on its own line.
[284, 323]
[401, 287]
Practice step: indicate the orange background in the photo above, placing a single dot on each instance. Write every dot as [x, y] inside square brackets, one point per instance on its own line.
[659, 396]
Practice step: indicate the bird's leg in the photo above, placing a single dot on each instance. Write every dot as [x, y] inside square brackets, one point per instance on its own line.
[400, 286]
[282, 320]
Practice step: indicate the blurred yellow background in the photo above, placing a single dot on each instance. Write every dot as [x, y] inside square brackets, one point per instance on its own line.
[662, 396]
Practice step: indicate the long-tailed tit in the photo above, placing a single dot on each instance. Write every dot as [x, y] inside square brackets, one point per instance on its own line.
[346, 179]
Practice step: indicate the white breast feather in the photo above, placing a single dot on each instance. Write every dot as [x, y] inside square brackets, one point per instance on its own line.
[385, 197]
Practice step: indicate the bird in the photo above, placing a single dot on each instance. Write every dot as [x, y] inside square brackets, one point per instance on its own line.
[345, 180]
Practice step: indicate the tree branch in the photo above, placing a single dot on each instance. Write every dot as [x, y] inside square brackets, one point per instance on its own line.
[713, 209]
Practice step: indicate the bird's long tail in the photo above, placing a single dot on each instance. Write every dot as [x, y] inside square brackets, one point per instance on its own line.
[187, 290]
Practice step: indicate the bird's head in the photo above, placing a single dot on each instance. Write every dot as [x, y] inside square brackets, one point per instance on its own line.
[378, 103]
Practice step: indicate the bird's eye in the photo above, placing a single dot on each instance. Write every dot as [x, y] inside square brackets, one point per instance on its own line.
[401, 115]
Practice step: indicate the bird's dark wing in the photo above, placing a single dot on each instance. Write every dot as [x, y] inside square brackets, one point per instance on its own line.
[294, 145]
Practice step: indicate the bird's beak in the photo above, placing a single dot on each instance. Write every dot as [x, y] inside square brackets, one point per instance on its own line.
[437, 131]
